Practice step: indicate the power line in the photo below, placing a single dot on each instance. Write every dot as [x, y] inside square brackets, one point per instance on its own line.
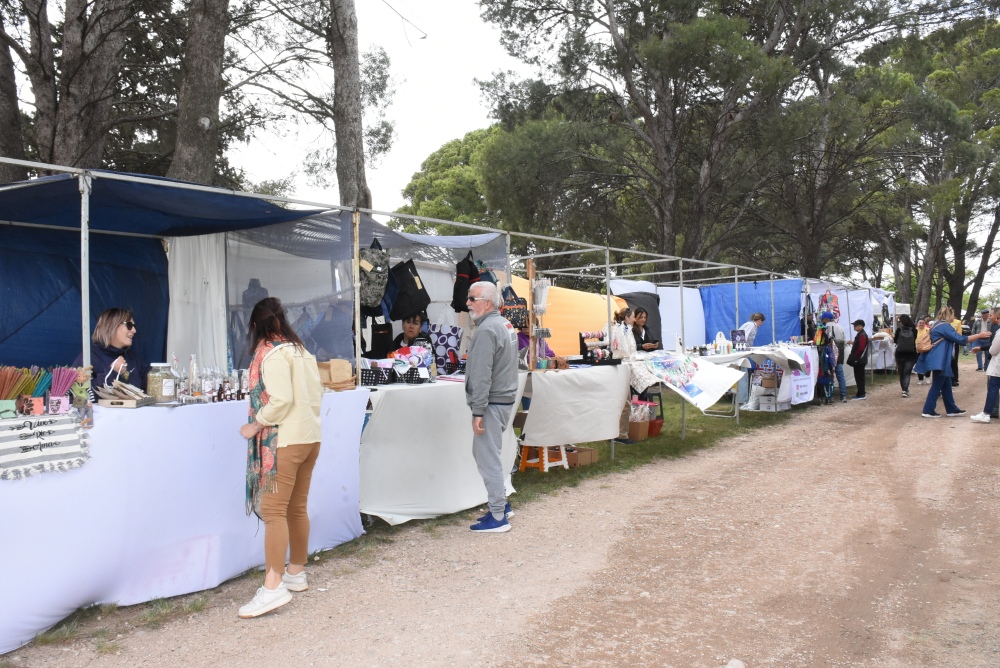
[405, 20]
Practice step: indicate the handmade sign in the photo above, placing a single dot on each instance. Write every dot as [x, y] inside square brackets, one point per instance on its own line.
[38, 444]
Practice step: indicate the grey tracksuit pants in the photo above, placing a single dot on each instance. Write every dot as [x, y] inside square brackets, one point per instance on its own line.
[486, 451]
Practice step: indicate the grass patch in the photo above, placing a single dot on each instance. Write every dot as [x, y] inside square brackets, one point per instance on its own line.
[108, 608]
[195, 604]
[61, 634]
[156, 612]
[701, 432]
[107, 647]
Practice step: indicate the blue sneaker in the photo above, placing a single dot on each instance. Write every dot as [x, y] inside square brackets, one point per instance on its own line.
[491, 525]
[508, 513]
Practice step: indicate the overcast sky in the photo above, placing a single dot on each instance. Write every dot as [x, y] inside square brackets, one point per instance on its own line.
[436, 98]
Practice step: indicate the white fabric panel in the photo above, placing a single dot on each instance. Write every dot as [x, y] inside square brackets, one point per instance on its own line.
[158, 511]
[196, 322]
[416, 453]
[670, 317]
[859, 304]
[883, 353]
[621, 286]
[576, 405]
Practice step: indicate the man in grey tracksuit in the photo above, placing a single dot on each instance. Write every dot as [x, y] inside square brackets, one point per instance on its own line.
[490, 391]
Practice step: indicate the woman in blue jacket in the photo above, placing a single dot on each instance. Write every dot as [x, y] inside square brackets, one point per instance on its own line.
[937, 362]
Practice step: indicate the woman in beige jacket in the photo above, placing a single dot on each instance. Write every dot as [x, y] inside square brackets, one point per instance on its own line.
[283, 436]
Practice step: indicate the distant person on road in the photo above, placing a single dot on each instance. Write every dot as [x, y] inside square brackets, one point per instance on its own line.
[837, 334]
[937, 362]
[858, 359]
[981, 324]
[992, 385]
[905, 339]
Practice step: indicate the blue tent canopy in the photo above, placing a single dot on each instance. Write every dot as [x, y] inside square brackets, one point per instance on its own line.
[40, 273]
[138, 208]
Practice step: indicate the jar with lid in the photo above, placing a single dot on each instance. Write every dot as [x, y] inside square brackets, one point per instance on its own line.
[160, 383]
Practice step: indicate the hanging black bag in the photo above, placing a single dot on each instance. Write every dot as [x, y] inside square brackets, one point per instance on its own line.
[412, 297]
[381, 341]
[466, 274]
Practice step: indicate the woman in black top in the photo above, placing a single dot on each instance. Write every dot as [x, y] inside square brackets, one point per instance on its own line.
[905, 339]
[411, 335]
[643, 341]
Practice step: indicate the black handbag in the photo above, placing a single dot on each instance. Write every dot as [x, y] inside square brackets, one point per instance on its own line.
[381, 340]
[412, 298]
[466, 273]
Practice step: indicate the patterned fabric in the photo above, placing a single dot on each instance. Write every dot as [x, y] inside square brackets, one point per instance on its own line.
[262, 461]
[443, 339]
[37, 444]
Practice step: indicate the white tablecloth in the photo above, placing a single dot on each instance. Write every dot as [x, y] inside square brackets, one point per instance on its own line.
[576, 405]
[157, 511]
[416, 453]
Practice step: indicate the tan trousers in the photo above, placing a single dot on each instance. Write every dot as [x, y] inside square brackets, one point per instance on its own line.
[286, 520]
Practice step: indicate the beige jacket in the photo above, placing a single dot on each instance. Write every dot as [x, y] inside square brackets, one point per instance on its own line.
[291, 378]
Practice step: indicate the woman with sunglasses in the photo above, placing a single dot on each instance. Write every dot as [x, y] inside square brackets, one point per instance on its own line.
[111, 352]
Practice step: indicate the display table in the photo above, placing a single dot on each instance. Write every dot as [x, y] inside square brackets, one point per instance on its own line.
[416, 452]
[157, 511]
[576, 405]
[800, 364]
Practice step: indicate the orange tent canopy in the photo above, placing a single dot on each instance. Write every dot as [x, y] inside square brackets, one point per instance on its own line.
[570, 312]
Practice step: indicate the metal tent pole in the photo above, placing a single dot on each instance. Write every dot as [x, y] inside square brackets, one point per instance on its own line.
[85, 188]
[774, 328]
[681, 351]
[607, 291]
[356, 275]
[736, 287]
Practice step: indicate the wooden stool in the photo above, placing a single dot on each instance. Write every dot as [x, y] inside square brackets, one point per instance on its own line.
[542, 463]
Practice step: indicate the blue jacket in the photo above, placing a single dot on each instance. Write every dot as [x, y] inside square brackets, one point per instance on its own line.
[102, 358]
[939, 357]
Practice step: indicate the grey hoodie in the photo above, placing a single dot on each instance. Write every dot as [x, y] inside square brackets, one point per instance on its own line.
[491, 367]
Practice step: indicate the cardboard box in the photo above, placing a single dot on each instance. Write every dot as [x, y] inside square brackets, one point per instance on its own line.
[638, 431]
[767, 400]
[581, 457]
[769, 381]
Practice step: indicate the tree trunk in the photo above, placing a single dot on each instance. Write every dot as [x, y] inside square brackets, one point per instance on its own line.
[985, 263]
[11, 143]
[200, 92]
[91, 60]
[342, 46]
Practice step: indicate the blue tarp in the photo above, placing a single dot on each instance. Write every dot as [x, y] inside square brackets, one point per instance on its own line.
[40, 293]
[143, 208]
[40, 320]
[719, 303]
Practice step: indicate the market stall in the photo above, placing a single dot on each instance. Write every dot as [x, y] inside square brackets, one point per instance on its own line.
[158, 510]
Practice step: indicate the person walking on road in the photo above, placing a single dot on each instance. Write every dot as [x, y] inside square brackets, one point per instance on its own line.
[490, 391]
[937, 362]
[905, 339]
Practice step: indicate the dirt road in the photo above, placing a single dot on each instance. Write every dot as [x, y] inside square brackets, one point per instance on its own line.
[853, 535]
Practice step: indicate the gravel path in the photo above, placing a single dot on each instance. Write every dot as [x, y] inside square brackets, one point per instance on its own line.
[853, 535]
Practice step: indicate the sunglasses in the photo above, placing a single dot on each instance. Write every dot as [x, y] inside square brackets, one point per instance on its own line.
[129, 325]
[477, 299]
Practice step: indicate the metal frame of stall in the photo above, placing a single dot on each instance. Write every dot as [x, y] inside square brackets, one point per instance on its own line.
[700, 265]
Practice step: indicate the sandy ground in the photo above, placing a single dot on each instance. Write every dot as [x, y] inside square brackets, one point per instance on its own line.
[853, 535]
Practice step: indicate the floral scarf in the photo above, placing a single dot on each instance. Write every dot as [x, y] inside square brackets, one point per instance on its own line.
[262, 462]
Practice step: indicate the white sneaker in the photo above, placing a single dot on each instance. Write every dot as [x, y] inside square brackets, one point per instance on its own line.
[980, 417]
[266, 600]
[295, 582]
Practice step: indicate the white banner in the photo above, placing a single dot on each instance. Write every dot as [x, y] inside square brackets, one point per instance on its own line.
[699, 381]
